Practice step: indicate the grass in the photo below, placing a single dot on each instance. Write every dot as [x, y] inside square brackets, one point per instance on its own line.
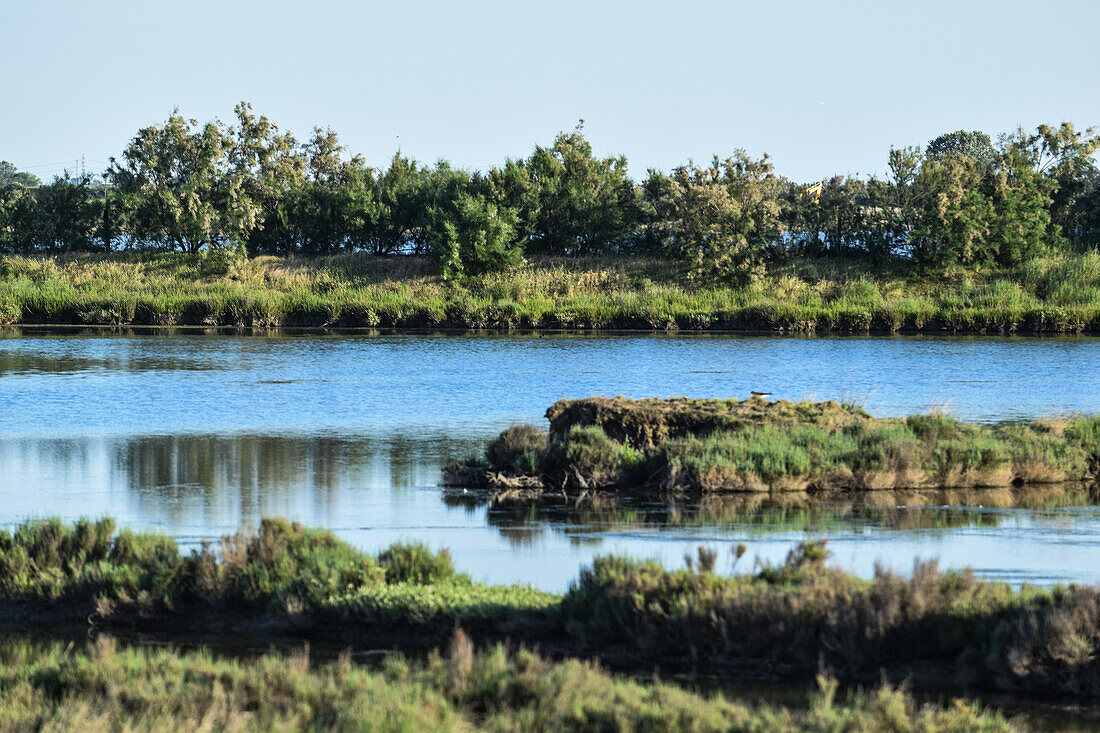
[1057, 293]
[793, 619]
[105, 686]
[755, 445]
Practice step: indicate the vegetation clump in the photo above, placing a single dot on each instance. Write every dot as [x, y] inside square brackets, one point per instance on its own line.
[283, 573]
[755, 445]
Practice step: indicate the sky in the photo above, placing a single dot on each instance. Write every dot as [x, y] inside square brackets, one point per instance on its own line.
[824, 87]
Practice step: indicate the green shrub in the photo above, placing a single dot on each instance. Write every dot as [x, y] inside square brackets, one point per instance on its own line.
[415, 563]
[520, 450]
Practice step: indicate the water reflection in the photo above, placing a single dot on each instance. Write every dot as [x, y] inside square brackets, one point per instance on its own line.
[215, 481]
[586, 519]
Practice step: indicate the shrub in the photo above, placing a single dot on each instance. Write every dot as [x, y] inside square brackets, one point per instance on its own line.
[519, 450]
[415, 563]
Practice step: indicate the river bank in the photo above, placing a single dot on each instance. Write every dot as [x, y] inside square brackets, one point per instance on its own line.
[1055, 294]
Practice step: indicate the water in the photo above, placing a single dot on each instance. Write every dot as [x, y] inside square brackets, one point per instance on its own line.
[195, 435]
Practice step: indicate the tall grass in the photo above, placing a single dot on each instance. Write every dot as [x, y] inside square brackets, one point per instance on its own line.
[1056, 293]
[801, 615]
[104, 686]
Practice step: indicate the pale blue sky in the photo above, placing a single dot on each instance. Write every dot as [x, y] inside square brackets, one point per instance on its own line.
[824, 87]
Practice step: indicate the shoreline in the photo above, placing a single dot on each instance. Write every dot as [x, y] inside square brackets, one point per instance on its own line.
[1055, 295]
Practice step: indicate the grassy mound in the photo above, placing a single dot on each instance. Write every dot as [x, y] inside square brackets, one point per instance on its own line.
[801, 615]
[283, 574]
[757, 445]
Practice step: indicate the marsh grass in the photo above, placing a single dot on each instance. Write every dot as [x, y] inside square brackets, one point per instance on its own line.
[791, 618]
[281, 571]
[105, 686]
[801, 614]
[1056, 293]
[682, 444]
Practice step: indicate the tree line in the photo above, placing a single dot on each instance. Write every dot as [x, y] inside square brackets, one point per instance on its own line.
[249, 186]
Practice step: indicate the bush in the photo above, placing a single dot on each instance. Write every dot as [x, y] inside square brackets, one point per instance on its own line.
[589, 458]
[415, 563]
[520, 450]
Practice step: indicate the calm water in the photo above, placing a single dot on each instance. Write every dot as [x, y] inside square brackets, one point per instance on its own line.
[195, 434]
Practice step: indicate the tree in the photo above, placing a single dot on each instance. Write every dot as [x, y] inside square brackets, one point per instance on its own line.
[272, 171]
[66, 215]
[12, 176]
[399, 214]
[13, 201]
[974, 144]
[1067, 157]
[324, 220]
[720, 218]
[471, 235]
[1024, 199]
[957, 215]
[177, 181]
[576, 203]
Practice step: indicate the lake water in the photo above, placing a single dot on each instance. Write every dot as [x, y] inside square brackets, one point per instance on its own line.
[195, 435]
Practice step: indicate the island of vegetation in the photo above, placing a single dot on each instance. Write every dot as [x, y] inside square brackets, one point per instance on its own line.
[754, 445]
[244, 225]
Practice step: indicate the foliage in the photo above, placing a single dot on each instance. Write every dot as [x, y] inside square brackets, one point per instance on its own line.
[182, 185]
[975, 145]
[12, 176]
[755, 445]
[519, 450]
[794, 618]
[719, 218]
[472, 235]
[573, 202]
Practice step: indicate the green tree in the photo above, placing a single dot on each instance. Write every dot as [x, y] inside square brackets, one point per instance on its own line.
[577, 203]
[272, 171]
[178, 184]
[12, 176]
[1066, 156]
[721, 217]
[974, 144]
[399, 215]
[957, 216]
[325, 222]
[14, 200]
[471, 235]
[67, 215]
[1024, 200]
